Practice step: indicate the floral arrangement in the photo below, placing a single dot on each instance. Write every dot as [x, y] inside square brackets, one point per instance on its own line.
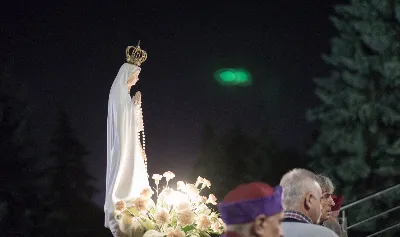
[176, 213]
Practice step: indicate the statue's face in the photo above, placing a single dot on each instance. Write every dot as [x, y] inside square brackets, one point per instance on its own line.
[133, 78]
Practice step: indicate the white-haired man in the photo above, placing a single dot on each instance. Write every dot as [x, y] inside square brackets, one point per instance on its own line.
[301, 199]
[327, 202]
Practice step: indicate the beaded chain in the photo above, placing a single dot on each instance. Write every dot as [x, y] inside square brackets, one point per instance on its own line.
[143, 140]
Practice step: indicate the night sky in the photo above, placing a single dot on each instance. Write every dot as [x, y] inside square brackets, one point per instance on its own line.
[70, 53]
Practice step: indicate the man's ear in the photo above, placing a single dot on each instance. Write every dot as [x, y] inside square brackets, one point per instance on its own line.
[259, 223]
[308, 200]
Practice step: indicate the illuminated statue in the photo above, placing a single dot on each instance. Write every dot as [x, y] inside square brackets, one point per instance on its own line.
[126, 160]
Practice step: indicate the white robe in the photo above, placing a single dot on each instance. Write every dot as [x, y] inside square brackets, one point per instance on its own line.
[126, 172]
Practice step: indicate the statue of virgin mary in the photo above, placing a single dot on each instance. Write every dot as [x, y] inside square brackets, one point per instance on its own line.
[126, 169]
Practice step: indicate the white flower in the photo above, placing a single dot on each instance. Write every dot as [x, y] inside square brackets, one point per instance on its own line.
[147, 193]
[222, 223]
[186, 217]
[162, 217]
[206, 183]
[182, 206]
[192, 191]
[212, 199]
[176, 233]
[153, 233]
[203, 223]
[165, 195]
[157, 178]
[180, 185]
[199, 181]
[203, 199]
[169, 175]
[140, 204]
[175, 197]
[216, 225]
[202, 208]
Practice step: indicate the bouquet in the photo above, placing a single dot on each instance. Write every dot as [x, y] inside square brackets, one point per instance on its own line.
[176, 213]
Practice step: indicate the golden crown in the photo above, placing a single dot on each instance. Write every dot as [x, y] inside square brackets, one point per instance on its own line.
[135, 55]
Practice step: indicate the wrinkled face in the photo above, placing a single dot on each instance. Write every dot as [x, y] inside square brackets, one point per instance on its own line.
[313, 203]
[335, 214]
[133, 78]
[269, 226]
[327, 204]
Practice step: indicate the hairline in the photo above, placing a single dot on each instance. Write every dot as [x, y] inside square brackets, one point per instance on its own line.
[325, 183]
[296, 183]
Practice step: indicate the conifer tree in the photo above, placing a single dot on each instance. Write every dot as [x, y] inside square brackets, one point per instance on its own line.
[70, 182]
[359, 143]
[20, 176]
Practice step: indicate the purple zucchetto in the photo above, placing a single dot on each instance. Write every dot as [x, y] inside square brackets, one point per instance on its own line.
[247, 201]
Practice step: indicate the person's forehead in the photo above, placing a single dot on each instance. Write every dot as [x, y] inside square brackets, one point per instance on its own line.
[327, 192]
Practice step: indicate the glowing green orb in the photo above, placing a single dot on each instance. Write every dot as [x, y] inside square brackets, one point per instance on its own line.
[233, 77]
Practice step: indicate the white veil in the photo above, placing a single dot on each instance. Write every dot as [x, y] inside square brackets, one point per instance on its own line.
[126, 172]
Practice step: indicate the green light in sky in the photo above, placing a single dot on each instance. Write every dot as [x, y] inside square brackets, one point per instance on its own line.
[233, 77]
[227, 76]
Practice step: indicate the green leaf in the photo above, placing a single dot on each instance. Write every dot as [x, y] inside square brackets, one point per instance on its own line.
[204, 234]
[188, 228]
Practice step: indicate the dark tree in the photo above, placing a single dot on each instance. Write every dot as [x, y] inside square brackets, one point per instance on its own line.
[71, 211]
[20, 176]
[359, 143]
[236, 157]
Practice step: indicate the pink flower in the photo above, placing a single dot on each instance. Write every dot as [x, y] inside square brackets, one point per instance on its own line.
[162, 217]
[182, 206]
[140, 204]
[146, 193]
[217, 225]
[120, 206]
[176, 233]
[186, 217]
[203, 223]
[212, 199]
[203, 199]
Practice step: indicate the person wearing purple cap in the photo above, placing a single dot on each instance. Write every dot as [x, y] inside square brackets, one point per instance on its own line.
[252, 210]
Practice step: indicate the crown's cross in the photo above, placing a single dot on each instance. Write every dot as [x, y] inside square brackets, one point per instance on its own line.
[135, 55]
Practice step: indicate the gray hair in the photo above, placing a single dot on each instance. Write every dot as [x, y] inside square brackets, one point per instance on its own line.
[295, 184]
[325, 183]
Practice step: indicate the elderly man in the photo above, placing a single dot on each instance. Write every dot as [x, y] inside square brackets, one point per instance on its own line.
[301, 200]
[252, 210]
[326, 201]
[332, 222]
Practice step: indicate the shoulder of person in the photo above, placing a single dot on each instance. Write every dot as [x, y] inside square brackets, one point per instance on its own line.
[318, 230]
[332, 224]
[325, 231]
